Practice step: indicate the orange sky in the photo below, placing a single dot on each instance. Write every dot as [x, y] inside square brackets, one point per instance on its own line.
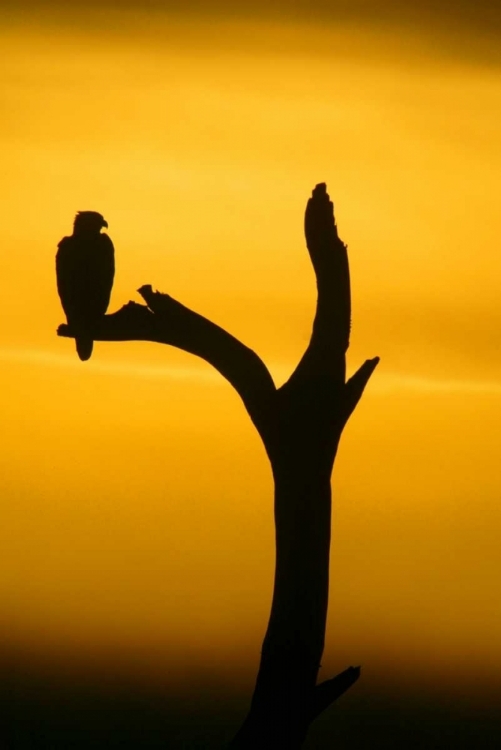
[137, 498]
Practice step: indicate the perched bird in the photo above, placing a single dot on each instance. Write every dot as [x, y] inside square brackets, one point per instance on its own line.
[85, 267]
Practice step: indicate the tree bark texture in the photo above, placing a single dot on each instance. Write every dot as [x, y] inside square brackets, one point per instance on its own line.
[300, 425]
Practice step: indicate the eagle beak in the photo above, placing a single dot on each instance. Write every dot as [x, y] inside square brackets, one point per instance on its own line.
[105, 223]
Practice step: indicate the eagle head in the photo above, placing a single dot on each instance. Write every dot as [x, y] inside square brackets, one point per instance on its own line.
[89, 221]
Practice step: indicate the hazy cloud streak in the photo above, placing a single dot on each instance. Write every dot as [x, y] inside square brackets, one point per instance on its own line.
[383, 383]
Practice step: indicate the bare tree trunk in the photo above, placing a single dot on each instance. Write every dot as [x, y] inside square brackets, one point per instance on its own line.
[300, 425]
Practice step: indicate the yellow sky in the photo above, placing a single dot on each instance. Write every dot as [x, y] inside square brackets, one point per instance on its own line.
[137, 498]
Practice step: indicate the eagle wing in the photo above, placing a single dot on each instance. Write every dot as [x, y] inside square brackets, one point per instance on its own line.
[104, 270]
[85, 269]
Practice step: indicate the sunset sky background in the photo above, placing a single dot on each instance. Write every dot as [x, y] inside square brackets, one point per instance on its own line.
[137, 529]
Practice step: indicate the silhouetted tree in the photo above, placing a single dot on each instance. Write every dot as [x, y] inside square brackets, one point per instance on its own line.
[300, 424]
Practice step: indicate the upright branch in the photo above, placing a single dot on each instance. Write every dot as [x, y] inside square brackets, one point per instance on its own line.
[312, 408]
[300, 425]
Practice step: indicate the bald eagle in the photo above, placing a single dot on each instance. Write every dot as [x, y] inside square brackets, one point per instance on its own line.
[85, 267]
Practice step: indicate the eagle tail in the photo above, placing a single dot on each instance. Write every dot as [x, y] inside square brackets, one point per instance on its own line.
[84, 348]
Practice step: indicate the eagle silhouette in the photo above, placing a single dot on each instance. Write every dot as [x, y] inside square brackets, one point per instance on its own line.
[85, 268]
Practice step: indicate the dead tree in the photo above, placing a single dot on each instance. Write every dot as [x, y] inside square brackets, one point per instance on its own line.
[300, 424]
